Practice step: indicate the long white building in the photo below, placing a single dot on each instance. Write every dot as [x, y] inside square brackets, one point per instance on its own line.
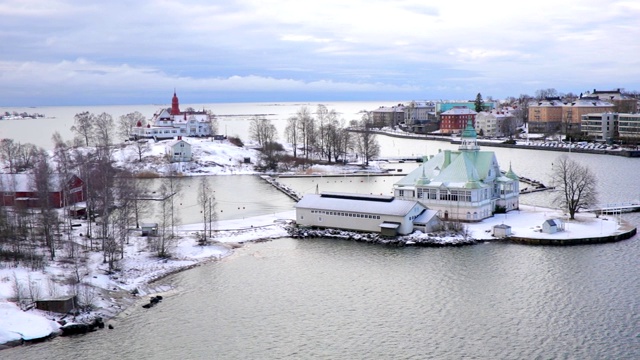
[369, 213]
[171, 123]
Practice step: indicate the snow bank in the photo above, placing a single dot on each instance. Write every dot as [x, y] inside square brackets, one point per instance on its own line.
[16, 325]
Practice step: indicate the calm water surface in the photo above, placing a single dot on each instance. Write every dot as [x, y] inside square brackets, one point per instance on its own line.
[328, 299]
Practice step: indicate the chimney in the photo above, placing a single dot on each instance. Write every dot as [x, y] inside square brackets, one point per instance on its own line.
[447, 159]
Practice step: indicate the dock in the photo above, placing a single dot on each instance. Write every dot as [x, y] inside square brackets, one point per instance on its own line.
[616, 208]
[283, 188]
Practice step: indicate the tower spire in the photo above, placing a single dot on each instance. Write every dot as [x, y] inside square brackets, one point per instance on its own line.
[175, 104]
[469, 138]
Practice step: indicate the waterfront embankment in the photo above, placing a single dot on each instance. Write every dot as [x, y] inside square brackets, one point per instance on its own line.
[520, 144]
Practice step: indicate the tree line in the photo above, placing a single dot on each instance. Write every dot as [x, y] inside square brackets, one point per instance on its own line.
[315, 137]
[116, 199]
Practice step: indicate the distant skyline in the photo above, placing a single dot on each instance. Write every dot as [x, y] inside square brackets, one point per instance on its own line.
[57, 52]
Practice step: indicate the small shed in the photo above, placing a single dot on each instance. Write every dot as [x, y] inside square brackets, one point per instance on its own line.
[552, 226]
[389, 229]
[501, 231]
[427, 221]
[60, 305]
[149, 229]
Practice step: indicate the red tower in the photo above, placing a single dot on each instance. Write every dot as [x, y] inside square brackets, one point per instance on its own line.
[175, 104]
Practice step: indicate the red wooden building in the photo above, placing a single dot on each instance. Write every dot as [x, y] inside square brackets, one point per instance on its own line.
[20, 190]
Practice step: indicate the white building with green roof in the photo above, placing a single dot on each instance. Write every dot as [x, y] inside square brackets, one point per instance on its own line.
[462, 185]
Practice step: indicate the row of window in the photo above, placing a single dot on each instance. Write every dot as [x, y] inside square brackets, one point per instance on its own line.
[450, 195]
[338, 213]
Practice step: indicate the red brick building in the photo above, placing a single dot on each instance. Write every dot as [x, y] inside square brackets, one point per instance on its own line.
[453, 121]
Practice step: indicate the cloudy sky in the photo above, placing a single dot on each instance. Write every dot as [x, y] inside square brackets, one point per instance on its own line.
[79, 52]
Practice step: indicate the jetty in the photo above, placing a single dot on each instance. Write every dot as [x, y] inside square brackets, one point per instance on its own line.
[283, 188]
[534, 185]
[616, 208]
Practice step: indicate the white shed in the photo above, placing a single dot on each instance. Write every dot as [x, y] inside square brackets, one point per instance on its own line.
[552, 226]
[501, 231]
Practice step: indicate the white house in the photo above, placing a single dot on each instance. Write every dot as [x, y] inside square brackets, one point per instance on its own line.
[464, 185]
[170, 123]
[370, 213]
[178, 150]
[495, 123]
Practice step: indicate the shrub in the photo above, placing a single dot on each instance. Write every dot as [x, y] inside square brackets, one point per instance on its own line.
[235, 141]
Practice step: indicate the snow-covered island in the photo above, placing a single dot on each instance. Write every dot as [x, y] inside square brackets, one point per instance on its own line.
[110, 293]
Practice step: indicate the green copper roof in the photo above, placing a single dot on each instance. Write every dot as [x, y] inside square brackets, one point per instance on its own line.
[469, 132]
[465, 167]
[511, 175]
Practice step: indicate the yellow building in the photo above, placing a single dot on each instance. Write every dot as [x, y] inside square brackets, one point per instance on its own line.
[545, 116]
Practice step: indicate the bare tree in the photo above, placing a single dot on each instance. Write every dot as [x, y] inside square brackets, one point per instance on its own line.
[83, 127]
[307, 130]
[213, 121]
[103, 134]
[206, 200]
[322, 114]
[262, 131]
[141, 147]
[291, 133]
[166, 238]
[328, 127]
[64, 167]
[27, 155]
[18, 157]
[541, 94]
[343, 142]
[103, 180]
[508, 126]
[366, 142]
[576, 184]
[9, 153]
[128, 122]
[44, 183]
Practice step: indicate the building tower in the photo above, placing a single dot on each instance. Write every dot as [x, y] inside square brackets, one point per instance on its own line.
[469, 138]
[175, 104]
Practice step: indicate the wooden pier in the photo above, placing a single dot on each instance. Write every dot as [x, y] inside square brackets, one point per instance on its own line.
[284, 189]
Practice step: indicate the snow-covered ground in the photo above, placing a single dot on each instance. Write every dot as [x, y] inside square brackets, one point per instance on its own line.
[210, 157]
[113, 293]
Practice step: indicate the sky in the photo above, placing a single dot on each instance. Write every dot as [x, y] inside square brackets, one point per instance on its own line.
[78, 52]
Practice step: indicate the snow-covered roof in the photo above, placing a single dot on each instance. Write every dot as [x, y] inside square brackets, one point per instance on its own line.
[425, 217]
[356, 203]
[590, 102]
[459, 111]
[172, 143]
[462, 167]
[24, 182]
[554, 222]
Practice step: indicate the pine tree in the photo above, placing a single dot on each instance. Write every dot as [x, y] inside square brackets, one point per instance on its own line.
[479, 103]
